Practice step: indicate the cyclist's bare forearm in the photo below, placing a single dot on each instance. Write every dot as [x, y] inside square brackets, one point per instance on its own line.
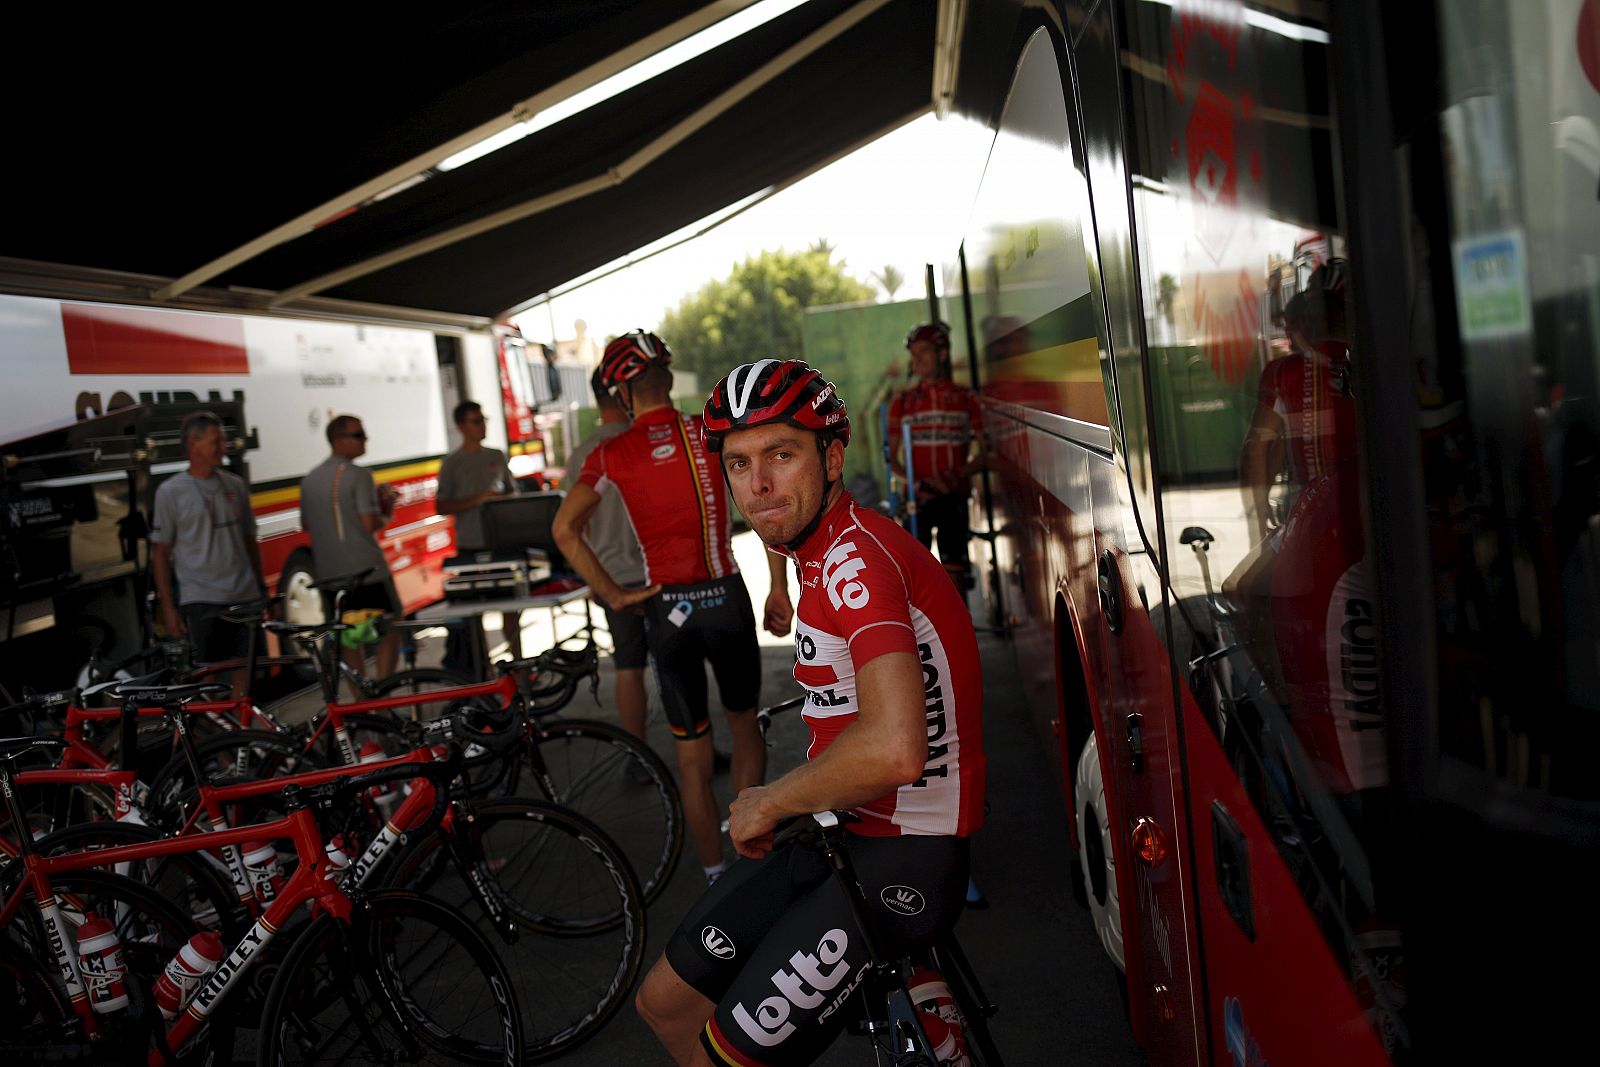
[884, 749]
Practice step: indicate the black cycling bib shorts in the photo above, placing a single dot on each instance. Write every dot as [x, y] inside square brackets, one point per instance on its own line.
[686, 627]
[775, 944]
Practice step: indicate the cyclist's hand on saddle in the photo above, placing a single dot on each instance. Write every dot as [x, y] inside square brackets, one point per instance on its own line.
[779, 613]
[632, 599]
[749, 826]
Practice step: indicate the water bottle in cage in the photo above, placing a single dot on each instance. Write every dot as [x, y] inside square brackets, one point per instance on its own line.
[338, 850]
[266, 873]
[941, 1019]
[385, 796]
[101, 966]
[185, 971]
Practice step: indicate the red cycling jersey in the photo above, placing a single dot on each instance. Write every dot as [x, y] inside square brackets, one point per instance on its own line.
[675, 496]
[943, 417]
[867, 588]
[1312, 396]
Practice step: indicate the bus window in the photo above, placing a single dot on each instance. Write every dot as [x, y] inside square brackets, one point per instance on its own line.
[1255, 422]
[1505, 341]
[1035, 303]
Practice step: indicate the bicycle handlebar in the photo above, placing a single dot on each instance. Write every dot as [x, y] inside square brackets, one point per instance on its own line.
[764, 716]
[342, 790]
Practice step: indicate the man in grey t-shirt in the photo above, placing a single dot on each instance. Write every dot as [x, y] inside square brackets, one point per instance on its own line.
[611, 535]
[471, 475]
[468, 477]
[342, 510]
[203, 533]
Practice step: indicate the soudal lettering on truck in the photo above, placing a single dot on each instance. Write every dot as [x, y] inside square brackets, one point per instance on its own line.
[294, 376]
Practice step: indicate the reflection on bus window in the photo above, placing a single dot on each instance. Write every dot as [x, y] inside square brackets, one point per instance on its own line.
[1508, 263]
[1256, 418]
[1038, 320]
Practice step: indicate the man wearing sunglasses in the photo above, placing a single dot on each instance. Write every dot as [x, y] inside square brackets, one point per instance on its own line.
[470, 477]
[342, 510]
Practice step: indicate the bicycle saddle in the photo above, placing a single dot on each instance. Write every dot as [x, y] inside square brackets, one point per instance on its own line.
[111, 687]
[248, 612]
[16, 747]
[295, 629]
[168, 694]
[344, 583]
[46, 701]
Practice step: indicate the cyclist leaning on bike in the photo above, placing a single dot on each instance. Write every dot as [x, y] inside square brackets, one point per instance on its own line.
[886, 651]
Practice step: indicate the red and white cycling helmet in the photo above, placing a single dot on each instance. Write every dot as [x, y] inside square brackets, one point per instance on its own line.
[629, 356]
[775, 390]
[937, 332]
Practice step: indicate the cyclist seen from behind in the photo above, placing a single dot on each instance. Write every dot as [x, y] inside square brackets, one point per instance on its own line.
[885, 649]
[695, 606]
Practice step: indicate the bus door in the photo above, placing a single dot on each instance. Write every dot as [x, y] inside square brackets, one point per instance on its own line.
[1268, 625]
[1144, 731]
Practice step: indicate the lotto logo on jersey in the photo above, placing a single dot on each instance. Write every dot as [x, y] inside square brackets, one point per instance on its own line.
[840, 576]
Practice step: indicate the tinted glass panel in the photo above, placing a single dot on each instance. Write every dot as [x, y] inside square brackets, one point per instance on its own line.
[1036, 316]
[1255, 424]
[1508, 298]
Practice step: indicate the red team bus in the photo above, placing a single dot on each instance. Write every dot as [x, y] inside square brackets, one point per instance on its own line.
[1286, 319]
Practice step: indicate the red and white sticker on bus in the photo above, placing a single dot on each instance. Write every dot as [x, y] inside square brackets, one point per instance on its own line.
[122, 340]
[293, 376]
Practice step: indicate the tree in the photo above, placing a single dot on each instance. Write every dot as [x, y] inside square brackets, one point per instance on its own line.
[890, 278]
[756, 311]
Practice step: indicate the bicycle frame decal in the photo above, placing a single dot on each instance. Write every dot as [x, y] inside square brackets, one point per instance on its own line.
[346, 749]
[386, 839]
[55, 925]
[233, 860]
[211, 993]
[844, 994]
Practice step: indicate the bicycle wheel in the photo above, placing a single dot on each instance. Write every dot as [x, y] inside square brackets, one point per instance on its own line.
[612, 778]
[420, 680]
[151, 930]
[240, 754]
[576, 906]
[40, 1026]
[407, 980]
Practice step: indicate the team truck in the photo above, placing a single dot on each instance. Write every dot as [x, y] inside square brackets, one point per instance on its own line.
[289, 377]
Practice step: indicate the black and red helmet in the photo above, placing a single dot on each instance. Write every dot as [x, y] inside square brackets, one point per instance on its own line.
[629, 356]
[1318, 310]
[937, 332]
[775, 390]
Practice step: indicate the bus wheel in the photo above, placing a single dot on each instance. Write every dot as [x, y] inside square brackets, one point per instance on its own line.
[1095, 851]
[301, 603]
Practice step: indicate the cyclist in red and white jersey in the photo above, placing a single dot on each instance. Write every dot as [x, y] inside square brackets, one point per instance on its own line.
[1304, 597]
[944, 419]
[887, 654]
[694, 601]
